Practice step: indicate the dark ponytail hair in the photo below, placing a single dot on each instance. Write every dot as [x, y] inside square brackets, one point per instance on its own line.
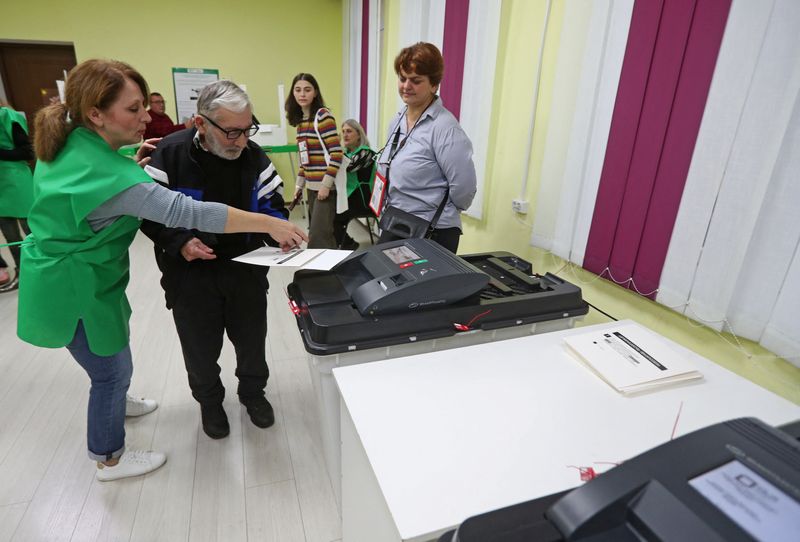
[93, 83]
[294, 113]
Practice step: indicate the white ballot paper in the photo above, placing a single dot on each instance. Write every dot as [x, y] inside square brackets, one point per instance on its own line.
[631, 358]
[321, 259]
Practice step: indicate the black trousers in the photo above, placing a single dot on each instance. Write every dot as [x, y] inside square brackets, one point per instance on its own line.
[215, 298]
[447, 237]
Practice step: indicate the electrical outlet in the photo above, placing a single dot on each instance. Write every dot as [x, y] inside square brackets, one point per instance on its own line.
[519, 206]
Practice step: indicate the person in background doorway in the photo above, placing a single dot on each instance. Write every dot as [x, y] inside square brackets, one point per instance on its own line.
[16, 188]
[316, 128]
[161, 125]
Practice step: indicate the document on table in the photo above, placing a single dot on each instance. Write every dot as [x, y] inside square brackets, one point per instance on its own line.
[631, 358]
[304, 258]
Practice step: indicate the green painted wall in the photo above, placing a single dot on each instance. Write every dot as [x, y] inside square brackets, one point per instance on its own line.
[257, 43]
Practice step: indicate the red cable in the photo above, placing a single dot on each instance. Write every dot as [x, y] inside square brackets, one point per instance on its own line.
[466, 327]
[586, 473]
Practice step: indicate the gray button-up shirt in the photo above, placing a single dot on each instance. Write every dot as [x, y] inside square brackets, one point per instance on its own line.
[437, 154]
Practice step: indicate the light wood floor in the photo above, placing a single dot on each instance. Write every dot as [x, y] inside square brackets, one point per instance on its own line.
[256, 484]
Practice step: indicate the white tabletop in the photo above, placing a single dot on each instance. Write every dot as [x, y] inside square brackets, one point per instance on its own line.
[455, 433]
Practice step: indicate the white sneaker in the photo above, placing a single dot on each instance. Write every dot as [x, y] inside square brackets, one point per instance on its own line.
[131, 463]
[139, 406]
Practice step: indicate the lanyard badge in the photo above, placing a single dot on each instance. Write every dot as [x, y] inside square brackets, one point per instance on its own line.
[378, 194]
[302, 146]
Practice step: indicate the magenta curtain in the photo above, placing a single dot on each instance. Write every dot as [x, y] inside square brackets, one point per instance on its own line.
[362, 114]
[456, 15]
[666, 74]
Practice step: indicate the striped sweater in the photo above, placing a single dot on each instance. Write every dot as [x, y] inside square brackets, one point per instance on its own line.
[316, 169]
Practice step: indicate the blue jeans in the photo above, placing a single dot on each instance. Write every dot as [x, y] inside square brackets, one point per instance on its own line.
[111, 377]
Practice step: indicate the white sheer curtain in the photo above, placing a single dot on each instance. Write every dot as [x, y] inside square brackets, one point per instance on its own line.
[733, 257]
[480, 64]
[374, 56]
[352, 34]
[420, 20]
[351, 59]
[593, 40]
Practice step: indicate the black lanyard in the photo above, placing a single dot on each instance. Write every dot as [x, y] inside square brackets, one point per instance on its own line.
[395, 148]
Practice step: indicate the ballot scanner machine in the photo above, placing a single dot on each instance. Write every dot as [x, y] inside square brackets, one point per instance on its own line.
[412, 296]
[409, 291]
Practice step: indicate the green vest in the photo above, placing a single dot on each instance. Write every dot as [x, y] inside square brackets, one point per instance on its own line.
[352, 176]
[69, 272]
[16, 179]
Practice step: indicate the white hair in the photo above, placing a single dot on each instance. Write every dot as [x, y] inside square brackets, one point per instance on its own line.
[222, 94]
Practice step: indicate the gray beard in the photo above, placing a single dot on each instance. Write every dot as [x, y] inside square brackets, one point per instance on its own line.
[218, 150]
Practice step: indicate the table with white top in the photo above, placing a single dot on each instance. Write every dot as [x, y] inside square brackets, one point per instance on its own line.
[445, 435]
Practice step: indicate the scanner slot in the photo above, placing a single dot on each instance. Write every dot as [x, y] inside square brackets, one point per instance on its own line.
[508, 281]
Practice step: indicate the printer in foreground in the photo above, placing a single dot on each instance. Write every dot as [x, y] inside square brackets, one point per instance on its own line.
[732, 481]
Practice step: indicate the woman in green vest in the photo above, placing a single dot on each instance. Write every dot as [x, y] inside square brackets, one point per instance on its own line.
[88, 203]
[16, 186]
[360, 177]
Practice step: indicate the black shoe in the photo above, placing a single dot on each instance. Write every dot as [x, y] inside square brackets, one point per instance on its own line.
[215, 421]
[260, 411]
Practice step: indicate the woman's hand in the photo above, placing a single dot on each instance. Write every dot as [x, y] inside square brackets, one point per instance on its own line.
[286, 234]
[143, 154]
[323, 193]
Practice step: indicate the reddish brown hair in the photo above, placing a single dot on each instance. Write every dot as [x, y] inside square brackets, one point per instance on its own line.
[423, 59]
[93, 83]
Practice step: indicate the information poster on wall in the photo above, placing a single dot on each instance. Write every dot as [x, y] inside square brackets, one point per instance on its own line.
[188, 83]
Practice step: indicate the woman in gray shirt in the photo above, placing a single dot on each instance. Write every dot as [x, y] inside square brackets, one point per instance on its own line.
[428, 157]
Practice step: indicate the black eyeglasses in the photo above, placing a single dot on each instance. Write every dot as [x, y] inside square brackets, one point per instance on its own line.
[236, 133]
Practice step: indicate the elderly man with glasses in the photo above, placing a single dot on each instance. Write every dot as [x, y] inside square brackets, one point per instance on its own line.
[161, 125]
[210, 294]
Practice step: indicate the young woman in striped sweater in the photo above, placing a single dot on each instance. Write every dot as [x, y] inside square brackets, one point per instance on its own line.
[305, 109]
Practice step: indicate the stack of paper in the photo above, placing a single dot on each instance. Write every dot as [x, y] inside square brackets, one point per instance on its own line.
[631, 358]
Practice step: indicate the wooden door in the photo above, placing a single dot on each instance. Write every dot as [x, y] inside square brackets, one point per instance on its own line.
[30, 72]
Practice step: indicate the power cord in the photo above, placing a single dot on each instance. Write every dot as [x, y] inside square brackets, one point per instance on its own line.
[602, 312]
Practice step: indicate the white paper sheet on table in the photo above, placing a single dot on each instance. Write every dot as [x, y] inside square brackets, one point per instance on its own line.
[321, 259]
[631, 358]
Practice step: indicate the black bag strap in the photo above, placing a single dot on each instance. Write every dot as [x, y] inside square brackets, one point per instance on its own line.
[439, 210]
